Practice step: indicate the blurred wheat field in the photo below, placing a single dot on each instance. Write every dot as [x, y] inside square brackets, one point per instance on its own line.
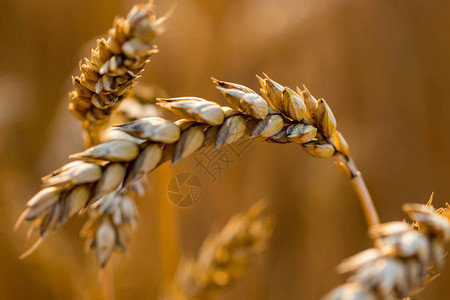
[381, 65]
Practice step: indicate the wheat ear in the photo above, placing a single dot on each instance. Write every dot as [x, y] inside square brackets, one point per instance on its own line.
[105, 171]
[224, 256]
[113, 69]
[109, 75]
[403, 261]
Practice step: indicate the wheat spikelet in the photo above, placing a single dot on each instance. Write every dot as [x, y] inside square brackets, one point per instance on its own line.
[224, 256]
[109, 225]
[108, 169]
[113, 69]
[403, 261]
[139, 104]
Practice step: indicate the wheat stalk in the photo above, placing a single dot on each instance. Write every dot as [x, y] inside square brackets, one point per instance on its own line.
[224, 256]
[113, 69]
[403, 261]
[107, 170]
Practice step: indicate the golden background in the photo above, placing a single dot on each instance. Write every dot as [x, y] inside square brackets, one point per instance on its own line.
[383, 66]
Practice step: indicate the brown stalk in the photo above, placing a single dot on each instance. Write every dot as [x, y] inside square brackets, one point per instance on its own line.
[360, 188]
[107, 282]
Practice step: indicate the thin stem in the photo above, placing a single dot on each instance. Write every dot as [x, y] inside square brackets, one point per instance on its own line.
[107, 282]
[349, 169]
[363, 194]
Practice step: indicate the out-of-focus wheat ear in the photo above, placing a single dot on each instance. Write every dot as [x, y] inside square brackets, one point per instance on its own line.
[251, 104]
[269, 126]
[231, 85]
[194, 108]
[153, 129]
[326, 122]
[231, 130]
[115, 151]
[224, 256]
[319, 149]
[190, 140]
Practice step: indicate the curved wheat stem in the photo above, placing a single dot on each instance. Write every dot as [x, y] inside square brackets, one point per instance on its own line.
[403, 261]
[349, 169]
[101, 175]
[113, 69]
[224, 256]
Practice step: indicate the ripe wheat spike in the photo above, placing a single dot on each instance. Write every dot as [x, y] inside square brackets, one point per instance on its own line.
[107, 171]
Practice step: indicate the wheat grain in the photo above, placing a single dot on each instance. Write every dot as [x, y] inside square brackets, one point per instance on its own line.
[224, 256]
[195, 108]
[113, 69]
[402, 262]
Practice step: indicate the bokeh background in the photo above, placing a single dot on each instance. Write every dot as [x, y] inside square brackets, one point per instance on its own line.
[383, 66]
